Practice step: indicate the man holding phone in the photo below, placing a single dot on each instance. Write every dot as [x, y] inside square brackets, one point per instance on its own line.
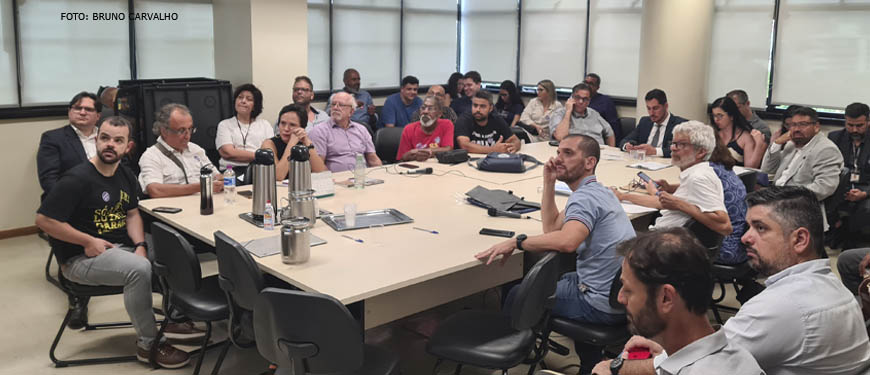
[699, 195]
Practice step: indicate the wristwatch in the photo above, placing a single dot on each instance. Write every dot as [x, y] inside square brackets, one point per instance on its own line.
[143, 244]
[615, 365]
[520, 240]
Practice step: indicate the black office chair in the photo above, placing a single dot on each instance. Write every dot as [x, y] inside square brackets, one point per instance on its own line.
[241, 281]
[742, 277]
[387, 143]
[185, 291]
[750, 180]
[315, 333]
[521, 134]
[496, 340]
[627, 124]
[75, 290]
[708, 237]
[592, 340]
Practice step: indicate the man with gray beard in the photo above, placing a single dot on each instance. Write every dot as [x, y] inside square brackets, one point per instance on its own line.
[422, 139]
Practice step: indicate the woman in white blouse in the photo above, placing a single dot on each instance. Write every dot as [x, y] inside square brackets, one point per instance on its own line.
[239, 136]
[540, 109]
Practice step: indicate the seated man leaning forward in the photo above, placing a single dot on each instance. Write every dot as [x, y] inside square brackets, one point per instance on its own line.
[805, 322]
[100, 240]
[592, 225]
[422, 139]
[699, 194]
[171, 167]
[666, 286]
[338, 140]
[482, 132]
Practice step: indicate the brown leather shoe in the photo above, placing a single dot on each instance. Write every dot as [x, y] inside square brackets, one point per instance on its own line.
[167, 356]
[186, 331]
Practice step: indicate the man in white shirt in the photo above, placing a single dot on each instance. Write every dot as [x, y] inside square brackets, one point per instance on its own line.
[666, 286]
[171, 167]
[699, 194]
[805, 321]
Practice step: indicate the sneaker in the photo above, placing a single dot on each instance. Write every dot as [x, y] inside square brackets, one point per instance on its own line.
[186, 331]
[79, 317]
[167, 356]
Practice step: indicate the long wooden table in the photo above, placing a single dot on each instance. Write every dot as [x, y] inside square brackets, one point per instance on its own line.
[399, 271]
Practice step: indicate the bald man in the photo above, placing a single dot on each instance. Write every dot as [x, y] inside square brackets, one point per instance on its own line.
[438, 92]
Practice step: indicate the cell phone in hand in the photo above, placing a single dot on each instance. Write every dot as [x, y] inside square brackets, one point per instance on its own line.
[497, 232]
[647, 178]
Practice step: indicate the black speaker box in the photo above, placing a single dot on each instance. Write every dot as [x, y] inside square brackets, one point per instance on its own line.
[209, 101]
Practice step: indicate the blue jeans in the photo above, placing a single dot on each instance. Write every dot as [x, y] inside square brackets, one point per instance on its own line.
[119, 266]
[571, 305]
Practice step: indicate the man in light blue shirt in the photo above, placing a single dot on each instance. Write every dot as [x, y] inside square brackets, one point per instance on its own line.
[399, 107]
[592, 225]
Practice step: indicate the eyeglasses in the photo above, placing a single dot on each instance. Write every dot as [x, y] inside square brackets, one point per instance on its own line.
[680, 145]
[719, 116]
[77, 108]
[580, 99]
[182, 131]
[303, 89]
[803, 124]
[342, 105]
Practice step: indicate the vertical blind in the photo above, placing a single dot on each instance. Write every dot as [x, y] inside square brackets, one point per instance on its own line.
[366, 37]
[429, 40]
[318, 43]
[740, 50]
[62, 58]
[614, 44]
[489, 39]
[822, 53]
[175, 49]
[553, 41]
[8, 73]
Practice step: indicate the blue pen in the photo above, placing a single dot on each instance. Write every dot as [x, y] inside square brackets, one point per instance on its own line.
[352, 239]
[427, 230]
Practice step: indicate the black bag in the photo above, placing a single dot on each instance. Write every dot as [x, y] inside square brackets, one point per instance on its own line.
[506, 163]
[452, 157]
[501, 200]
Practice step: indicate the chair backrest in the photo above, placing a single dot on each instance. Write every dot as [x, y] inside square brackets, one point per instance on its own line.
[627, 124]
[174, 260]
[615, 286]
[387, 143]
[308, 332]
[536, 293]
[708, 238]
[238, 274]
[749, 179]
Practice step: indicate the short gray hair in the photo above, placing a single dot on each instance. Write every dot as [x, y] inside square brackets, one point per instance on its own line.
[700, 134]
[353, 102]
[436, 104]
[161, 118]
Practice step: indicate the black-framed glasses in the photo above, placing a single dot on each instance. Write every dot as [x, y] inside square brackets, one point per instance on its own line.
[77, 108]
[803, 124]
[580, 99]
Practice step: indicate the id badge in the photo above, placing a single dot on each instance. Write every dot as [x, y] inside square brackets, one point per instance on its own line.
[854, 177]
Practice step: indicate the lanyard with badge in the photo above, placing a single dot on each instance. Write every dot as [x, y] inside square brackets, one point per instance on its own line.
[855, 174]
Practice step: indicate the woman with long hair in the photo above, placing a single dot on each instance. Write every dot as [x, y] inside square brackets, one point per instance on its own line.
[510, 104]
[540, 109]
[735, 133]
[453, 89]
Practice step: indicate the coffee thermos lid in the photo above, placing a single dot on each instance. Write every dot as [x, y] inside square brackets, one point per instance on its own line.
[264, 156]
[205, 171]
[299, 152]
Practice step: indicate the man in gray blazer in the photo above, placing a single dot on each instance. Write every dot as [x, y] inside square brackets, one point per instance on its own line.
[800, 156]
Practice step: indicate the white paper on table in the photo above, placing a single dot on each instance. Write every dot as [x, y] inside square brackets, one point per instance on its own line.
[649, 165]
[613, 156]
[631, 208]
[321, 182]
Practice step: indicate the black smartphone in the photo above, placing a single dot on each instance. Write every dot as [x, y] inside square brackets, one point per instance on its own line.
[497, 232]
[647, 178]
[167, 210]
[247, 193]
[409, 165]
[554, 142]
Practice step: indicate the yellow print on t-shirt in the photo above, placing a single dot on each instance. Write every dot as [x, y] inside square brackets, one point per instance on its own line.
[110, 218]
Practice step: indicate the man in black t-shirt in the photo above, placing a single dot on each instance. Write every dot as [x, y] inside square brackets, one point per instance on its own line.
[93, 217]
[481, 133]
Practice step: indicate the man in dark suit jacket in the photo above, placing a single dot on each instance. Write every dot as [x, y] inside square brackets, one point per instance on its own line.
[851, 195]
[63, 148]
[60, 150]
[653, 133]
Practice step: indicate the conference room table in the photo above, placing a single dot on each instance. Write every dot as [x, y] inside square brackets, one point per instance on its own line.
[399, 270]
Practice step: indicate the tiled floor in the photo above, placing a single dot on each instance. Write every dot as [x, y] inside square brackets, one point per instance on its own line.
[33, 309]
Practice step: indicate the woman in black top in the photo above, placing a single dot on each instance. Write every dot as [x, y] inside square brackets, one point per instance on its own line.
[735, 133]
[453, 88]
[292, 121]
[510, 104]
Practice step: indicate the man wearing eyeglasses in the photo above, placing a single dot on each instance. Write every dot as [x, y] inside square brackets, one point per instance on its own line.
[439, 93]
[339, 139]
[303, 94]
[578, 118]
[171, 167]
[803, 157]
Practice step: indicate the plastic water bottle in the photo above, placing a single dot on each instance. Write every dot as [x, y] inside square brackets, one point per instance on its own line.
[359, 172]
[229, 186]
[269, 216]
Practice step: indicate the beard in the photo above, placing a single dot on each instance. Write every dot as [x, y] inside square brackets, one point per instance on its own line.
[109, 156]
[427, 121]
[646, 323]
[857, 136]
